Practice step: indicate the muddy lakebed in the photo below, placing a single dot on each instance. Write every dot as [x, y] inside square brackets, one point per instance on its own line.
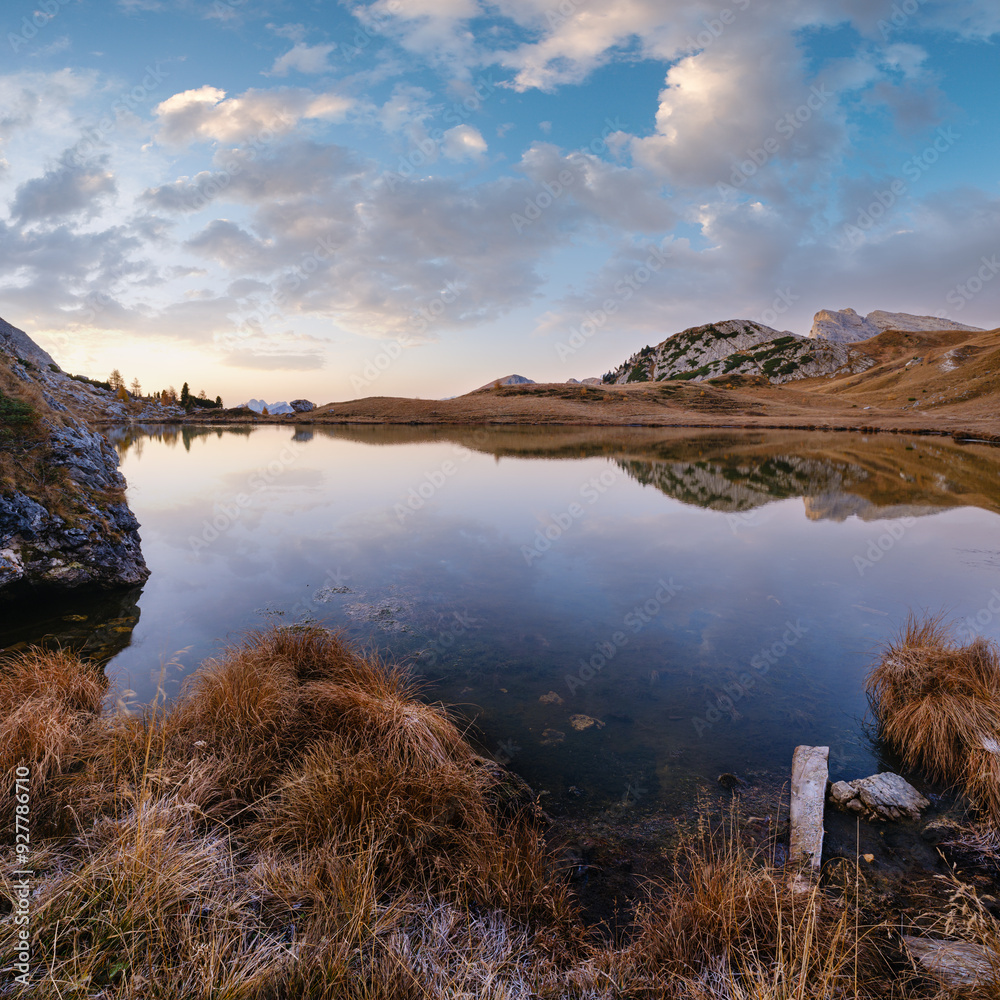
[620, 614]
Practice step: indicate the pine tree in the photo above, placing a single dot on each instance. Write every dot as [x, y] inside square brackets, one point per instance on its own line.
[218, 402]
[136, 387]
[115, 380]
[185, 394]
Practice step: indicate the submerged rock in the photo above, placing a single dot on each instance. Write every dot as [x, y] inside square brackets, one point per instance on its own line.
[581, 722]
[884, 796]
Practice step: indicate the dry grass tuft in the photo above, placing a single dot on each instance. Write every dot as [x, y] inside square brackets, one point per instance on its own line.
[938, 705]
[729, 926]
[297, 824]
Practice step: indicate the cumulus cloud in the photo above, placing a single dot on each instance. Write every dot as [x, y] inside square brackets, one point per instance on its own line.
[303, 58]
[463, 142]
[206, 114]
[68, 188]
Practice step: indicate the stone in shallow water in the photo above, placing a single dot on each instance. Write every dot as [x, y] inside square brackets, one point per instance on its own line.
[884, 796]
[953, 963]
[809, 776]
[581, 722]
[552, 698]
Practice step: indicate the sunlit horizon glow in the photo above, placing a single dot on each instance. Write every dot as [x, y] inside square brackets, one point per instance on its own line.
[407, 197]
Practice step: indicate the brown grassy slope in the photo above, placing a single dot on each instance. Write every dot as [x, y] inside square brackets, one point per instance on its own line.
[966, 400]
[298, 824]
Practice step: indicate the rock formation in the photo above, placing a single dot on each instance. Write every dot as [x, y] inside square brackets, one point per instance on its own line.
[881, 796]
[507, 380]
[736, 347]
[64, 521]
[302, 405]
[845, 326]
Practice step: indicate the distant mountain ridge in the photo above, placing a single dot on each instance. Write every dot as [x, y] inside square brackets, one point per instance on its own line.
[735, 347]
[273, 409]
[507, 380]
[845, 326]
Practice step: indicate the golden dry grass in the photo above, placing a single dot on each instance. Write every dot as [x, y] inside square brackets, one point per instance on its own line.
[297, 824]
[937, 703]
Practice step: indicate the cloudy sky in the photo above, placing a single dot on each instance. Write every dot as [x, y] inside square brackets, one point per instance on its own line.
[284, 198]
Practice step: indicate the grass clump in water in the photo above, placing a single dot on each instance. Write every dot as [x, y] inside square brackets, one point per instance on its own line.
[298, 824]
[937, 703]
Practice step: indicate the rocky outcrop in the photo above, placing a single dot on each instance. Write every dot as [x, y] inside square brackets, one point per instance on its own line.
[302, 405]
[507, 380]
[19, 345]
[736, 347]
[884, 796]
[845, 326]
[64, 521]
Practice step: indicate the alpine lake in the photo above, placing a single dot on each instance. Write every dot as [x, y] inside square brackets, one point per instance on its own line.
[620, 614]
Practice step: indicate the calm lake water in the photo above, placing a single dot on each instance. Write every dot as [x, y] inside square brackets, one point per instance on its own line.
[709, 599]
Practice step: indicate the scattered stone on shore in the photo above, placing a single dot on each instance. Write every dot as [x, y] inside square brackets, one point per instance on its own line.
[582, 722]
[940, 830]
[952, 963]
[552, 698]
[884, 796]
[810, 771]
[730, 781]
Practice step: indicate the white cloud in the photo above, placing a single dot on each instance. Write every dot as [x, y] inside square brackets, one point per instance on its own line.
[463, 142]
[68, 188]
[205, 113]
[303, 59]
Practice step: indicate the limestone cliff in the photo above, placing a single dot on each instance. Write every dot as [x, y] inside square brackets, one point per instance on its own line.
[845, 326]
[736, 347]
[64, 521]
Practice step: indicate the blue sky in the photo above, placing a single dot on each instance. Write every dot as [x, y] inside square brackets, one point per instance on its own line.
[413, 197]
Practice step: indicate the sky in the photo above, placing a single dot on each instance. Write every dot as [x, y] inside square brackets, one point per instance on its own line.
[285, 199]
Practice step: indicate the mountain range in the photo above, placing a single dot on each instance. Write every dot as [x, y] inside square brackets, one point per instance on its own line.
[745, 347]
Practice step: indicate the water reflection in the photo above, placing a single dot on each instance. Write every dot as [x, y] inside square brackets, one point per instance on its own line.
[706, 608]
[98, 625]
